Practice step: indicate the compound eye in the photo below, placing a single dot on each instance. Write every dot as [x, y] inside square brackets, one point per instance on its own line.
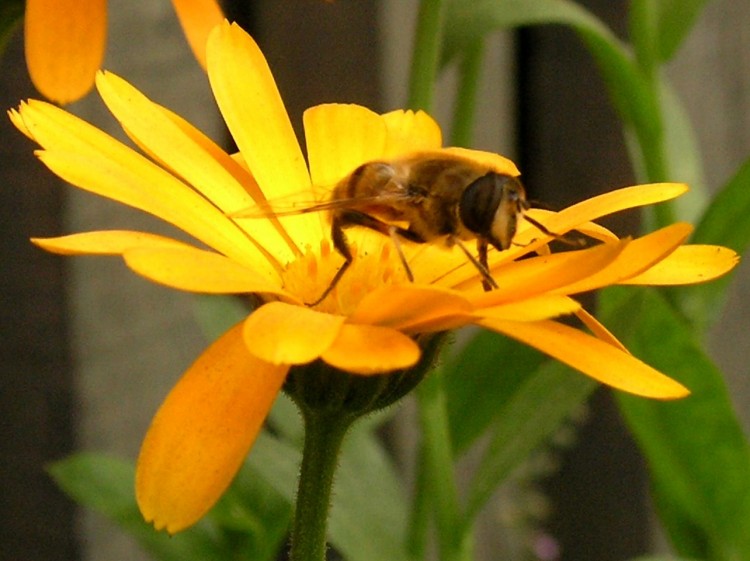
[480, 200]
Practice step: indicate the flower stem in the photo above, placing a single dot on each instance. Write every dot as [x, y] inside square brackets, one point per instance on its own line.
[437, 455]
[426, 57]
[324, 433]
[466, 99]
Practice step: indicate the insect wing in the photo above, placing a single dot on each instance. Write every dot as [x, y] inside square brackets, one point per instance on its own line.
[289, 207]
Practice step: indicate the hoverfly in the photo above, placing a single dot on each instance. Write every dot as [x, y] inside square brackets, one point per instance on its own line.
[426, 197]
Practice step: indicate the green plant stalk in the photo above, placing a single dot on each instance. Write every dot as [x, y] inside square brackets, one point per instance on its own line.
[324, 433]
[419, 522]
[437, 460]
[426, 56]
[644, 28]
[464, 113]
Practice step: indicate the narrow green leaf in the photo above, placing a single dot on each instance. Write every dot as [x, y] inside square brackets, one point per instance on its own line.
[682, 155]
[676, 19]
[468, 20]
[698, 456]
[105, 485]
[630, 90]
[644, 34]
[480, 377]
[524, 421]
[723, 223]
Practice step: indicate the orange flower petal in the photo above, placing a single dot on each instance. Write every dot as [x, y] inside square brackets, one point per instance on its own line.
[203, 431]
[499, 163]
[407, 307]
[254, 112]
[689, 264]
[595, 358]
[545, 273]
[531, 309]
[236, 167]
[371, 349]
[104, 242]
[339, 139]
[198, 270]
[596, 207]
[282, 333]
[198, 18]
[94, 161]
[410, 131]
[598, 329]
[65, 42]
[638, 256]
[160, 136]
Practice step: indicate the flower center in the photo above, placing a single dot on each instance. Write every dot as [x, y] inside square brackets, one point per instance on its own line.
[310, 275]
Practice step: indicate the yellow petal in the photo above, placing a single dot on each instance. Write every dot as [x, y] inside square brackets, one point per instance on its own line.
[598, 329]
[105, 242]
[689, 264]
[270, 233]
[65, 42]
[371, 349]
[92, 160]
[197, 270]
[198, 18]
[282, 333]
[532, 309]
[542, 274]
[595, 358]
[160, 136]
[591, 229]
[407, 307]
[203, 431]
[254, 112]
[596, 207]
[340, 138]
[410, 131]
[496, 162]
[163, 139]
[638, 256]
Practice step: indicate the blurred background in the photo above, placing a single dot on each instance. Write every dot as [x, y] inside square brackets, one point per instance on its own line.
[89, 350]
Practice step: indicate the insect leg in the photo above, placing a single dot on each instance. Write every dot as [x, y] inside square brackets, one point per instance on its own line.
[355, 218]
[481, 264]
[342, 246]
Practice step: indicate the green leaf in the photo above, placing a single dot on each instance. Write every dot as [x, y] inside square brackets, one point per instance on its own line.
[698, 456]
[105, 485]
[675, 20]
[682, 155]
[479, 378]
[254, 517]
[215, 314]
[11, 12]
[723, 223]
[528, 417]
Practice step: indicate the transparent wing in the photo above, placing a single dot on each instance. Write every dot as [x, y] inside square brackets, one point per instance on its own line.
[291, 206]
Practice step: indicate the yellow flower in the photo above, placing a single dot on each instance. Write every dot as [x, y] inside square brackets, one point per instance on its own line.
[368, 324]
[65, 41]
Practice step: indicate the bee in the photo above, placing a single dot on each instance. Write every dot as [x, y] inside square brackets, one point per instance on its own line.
[428, 197]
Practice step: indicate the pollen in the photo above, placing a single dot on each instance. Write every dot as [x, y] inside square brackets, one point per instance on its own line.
[374, 265]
